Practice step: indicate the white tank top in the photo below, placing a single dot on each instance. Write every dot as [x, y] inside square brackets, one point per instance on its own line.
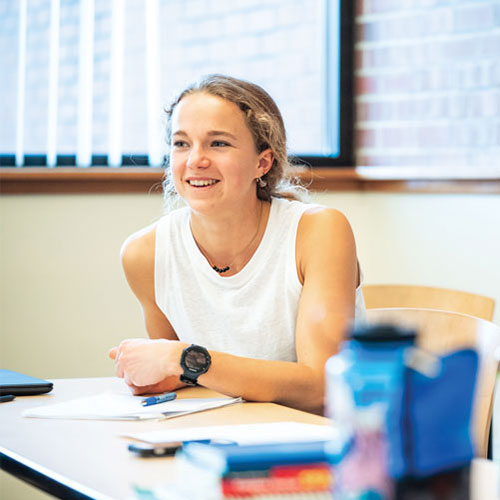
[251, 314]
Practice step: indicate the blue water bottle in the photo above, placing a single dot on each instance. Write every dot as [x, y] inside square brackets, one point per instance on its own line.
[363, 380]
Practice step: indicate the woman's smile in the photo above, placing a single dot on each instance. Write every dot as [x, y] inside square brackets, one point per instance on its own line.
[201, 182]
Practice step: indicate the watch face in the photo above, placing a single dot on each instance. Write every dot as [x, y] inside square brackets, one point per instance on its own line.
[195, 360]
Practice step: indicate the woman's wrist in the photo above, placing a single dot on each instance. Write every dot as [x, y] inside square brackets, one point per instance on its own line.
[174, 357]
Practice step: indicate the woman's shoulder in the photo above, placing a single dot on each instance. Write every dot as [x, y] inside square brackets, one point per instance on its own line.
[324, 236]
[143, 242]
[138, 250]
[319, 222]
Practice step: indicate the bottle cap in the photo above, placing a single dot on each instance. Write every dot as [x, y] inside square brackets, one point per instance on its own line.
[382, 333]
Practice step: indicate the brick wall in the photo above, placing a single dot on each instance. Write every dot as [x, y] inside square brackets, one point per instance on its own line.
[428, 82]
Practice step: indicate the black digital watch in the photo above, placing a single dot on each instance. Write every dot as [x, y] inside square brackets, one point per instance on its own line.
[195, 361]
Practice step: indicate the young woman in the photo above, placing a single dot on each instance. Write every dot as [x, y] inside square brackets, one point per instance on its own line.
[244, 290]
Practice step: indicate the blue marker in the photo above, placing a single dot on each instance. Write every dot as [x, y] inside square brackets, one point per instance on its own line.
[154, 400]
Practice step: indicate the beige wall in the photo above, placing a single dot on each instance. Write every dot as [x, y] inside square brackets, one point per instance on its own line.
[64, 300]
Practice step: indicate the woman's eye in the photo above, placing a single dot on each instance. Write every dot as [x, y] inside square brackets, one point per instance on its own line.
[219, 144]
[179, 144]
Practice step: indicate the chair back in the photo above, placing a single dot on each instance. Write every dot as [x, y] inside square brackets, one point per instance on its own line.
[379, 296]
[443, 331]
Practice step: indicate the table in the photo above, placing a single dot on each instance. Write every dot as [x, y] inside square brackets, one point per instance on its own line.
[88, 459]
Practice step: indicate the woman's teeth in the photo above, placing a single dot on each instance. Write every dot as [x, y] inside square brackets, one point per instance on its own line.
[201, 183]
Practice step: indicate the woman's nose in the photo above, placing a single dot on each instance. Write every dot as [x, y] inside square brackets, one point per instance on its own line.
[197, 158]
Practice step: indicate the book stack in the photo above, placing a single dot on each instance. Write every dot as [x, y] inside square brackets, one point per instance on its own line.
[277, 471]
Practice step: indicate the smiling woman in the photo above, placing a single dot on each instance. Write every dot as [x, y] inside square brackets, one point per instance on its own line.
[261, 287]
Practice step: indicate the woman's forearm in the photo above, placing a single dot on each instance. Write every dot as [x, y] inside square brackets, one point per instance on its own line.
[288, 383]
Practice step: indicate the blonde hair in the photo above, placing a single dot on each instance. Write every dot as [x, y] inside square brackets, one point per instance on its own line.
[264, 121]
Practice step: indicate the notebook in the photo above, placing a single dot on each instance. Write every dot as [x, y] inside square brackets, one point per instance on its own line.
[110, 406]
[19, 384]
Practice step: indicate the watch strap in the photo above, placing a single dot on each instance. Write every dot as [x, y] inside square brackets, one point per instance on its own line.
[188, 380]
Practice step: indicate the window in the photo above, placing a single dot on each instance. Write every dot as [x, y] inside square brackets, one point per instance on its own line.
[85, 81]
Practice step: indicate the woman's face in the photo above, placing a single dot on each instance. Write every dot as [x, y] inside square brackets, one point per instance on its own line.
[213, 157]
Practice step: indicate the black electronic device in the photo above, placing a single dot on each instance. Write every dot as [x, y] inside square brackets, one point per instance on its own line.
[149, 450]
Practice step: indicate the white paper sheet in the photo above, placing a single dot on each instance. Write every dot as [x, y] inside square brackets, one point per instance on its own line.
[111, 406]
[276, 432]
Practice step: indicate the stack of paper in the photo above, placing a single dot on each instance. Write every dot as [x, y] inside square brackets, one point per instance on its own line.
[109, 406]
[243, 434]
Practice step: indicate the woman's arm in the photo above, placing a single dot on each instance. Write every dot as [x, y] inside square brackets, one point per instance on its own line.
[328, 270]
[138, 262]
[326, 263]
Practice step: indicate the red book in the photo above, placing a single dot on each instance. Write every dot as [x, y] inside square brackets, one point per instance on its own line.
[278, 480]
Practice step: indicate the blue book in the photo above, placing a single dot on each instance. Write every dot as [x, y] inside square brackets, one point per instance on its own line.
[260, 456]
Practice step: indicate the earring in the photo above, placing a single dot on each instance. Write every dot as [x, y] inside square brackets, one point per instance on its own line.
[261, 182]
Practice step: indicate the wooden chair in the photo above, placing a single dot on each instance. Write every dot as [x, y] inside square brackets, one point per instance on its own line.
[443, 331]
[377, 296]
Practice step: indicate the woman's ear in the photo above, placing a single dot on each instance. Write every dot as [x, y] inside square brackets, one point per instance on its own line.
[266, 159]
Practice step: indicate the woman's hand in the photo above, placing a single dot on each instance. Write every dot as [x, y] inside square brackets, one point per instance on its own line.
[168, 384]
[148, 365]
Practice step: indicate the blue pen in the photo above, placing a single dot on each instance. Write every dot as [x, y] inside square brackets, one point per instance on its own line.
[154, 400]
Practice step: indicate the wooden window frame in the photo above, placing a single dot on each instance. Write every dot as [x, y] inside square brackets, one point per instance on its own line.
[64, 180]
